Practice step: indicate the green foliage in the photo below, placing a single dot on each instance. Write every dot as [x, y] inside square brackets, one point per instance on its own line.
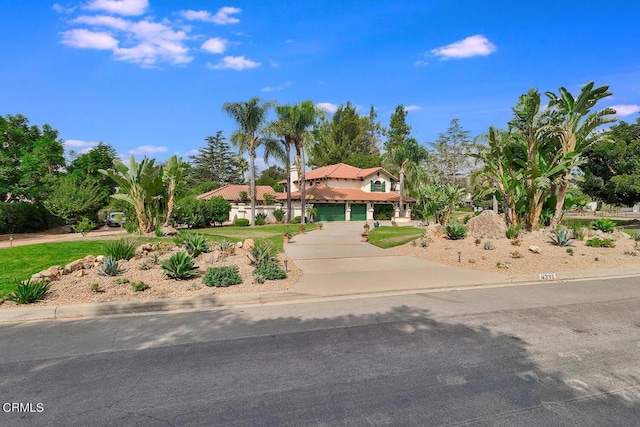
[195, 244]
[456, 231]
[636, 236]
[22, 217]
[109, 267]
[279, 214]
[489, 246]
[241, 222]
[244, 196]
[221, 277]
[516, 255]
[605, 225]
[382, 212]
[388, 237]
[29, 291]
[84, 226]
[437, 201]
[269, 199]
[122, 280]
[451, 152]
[199, 213]
[214, 163]
[577, 229]
[86, 165]
[261, 218]
[145, 266]
[120, 249]
[95, 288]
[262, 252]
[224, 244]
[296, 220]
[570, 251]
[179, 266]
[596, 242]
[268, 271]
[139, 286]
[561, 236]
[513, 231]
[74, 198]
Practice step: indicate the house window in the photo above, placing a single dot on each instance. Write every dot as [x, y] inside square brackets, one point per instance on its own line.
[377, 186]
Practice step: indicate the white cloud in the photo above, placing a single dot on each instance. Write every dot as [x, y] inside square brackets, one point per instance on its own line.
[626, 110]
[215, 45]
[148, 149]
[238, 63]
[62, 9]
[74, 144]
[275, 88]
[119, 7]
[104, 21]
[327, 106]
[420, 63]
[86, 39]
[221, 17]
[412, 108]
[471, 46]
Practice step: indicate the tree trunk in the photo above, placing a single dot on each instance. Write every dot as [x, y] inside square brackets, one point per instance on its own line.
[252, 158]
[401, 192]
[288, 151]
[562, 194]
[170, 202]
[303, 185]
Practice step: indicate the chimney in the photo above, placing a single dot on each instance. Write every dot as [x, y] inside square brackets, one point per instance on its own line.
[293, 173]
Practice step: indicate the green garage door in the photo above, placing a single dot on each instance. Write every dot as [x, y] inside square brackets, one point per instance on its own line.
[358, 212]
[330, 211]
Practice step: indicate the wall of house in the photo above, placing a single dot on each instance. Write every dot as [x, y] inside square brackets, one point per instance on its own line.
[366, 185]
[243, 210]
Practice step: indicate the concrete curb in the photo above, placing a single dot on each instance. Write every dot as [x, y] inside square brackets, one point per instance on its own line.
[74, 311]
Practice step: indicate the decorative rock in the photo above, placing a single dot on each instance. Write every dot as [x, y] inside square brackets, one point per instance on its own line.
[88, 261]
[100, 259]
[169, 231]
[78, 273]
[488, 224]
[37, 276]
[534, 249]
[52, 272]
[73, 266]
[239, 245]
[144, 249]
[434, 232]
[248, 244]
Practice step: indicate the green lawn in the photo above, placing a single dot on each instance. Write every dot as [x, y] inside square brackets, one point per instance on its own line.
[272, 232]
[388, 237]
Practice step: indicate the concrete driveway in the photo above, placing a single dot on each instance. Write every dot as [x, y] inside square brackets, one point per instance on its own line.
[336, 262]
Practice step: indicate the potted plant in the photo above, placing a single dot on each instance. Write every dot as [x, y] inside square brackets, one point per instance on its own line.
[376, 224]
[366, 227]
[312, 213]
[393, 223]
[286, 235]
[364, 237]
[318, 226]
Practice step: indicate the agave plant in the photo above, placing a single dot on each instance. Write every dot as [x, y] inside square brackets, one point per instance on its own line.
[109, 266]
[605, 225]
[29, 291]
[262, 252]
[179, 266]
[489, 246]
[561, 236]
[195, 244]
[456, 231]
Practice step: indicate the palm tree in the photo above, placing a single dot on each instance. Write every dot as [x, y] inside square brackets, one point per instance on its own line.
[140, 185]
[296, 122]
[402, 156]
[250, 117]
[576, 130]
[173, 176]
[280, 129]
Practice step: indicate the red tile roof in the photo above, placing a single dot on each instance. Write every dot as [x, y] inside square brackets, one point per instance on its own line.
[343, 171]
[231, 192]
[321, 192]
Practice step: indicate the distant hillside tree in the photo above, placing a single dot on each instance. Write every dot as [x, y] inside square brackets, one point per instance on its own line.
[452, 152]
[86, 166]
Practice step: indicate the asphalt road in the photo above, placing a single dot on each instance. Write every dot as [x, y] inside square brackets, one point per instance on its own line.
[538, 355]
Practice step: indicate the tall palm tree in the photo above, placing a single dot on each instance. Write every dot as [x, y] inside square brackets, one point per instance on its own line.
[296, 122]
[402, 156]
[250, 116]
[576, 130]
[173, 176]
[280, 129]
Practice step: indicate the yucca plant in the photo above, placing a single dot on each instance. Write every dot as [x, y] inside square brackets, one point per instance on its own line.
[29, 291]
[195, 244]
[561, 236]
[262, 252]
[120, 249]
[489, 246]
[513, 231]
[109, 266]
[456, 231]
[179, 266]
[223, 245]
[605, 225]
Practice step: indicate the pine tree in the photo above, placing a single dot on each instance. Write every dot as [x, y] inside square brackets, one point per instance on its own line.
[215, 163]
[451, 152]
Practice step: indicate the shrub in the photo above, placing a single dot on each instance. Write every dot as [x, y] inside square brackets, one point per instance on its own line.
[608, 243]
[24, 217]
[263, 252]
[570, 251]
[84, 226]
[224, 245]
[179, 266]
[296, 220]
[605, 225]
[636, 236]
[269, 271]
[109, 266]
[516, 254]
[241, 222]
[95, 288]
[221, 277]
[199, 213]
[145, 266]
[195, 244]
[596, 242]
[456, 231]
[244, 196]
[120, 249]
[561, 236]
[269, 199]
[28, 292]
[279, 214]
[139, 286]
[489, 246]
[577, 229]
[513, 231]
[466, 219]
[261, 218]
[122, 280]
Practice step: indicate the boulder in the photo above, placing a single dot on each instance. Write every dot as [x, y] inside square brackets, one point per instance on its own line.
[88, 261]
[434, 232]
[248, 244]
[239, 245]
[169, 231]
[78, 273]
[52, 272]
[488, 225]
[73, 266]
[144, 249]
[534, 249]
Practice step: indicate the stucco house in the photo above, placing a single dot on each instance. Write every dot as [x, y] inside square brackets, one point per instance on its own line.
[241, 207]
[346, 193]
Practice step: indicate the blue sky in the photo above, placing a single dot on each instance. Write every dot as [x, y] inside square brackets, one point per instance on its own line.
[150, 77]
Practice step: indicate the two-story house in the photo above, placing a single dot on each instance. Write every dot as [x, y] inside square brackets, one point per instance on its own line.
[345, 193]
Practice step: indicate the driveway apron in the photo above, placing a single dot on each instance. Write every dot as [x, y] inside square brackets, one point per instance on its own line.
[335, 261]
